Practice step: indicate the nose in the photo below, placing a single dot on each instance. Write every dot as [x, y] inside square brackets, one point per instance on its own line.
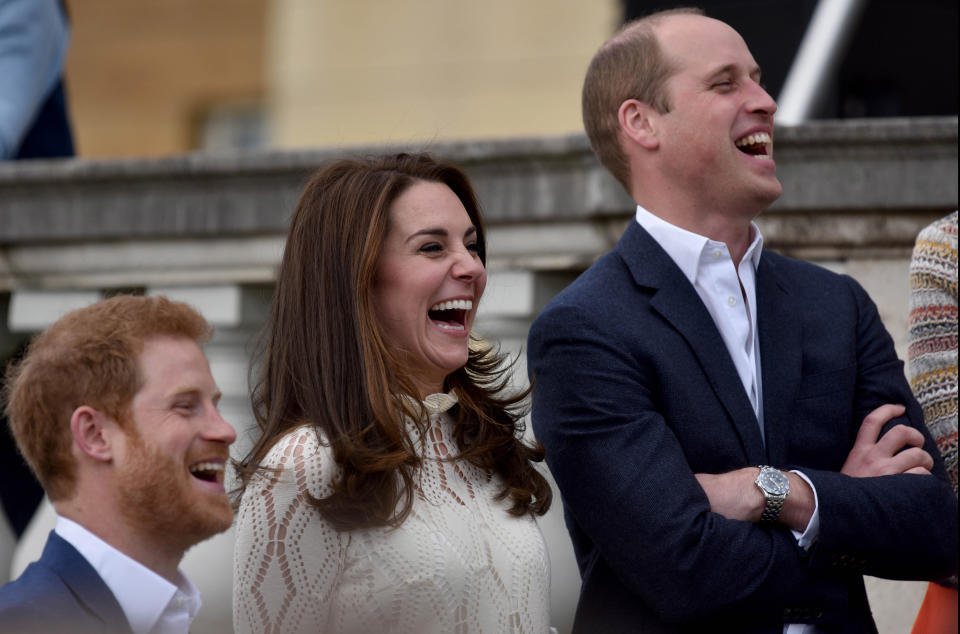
[219, 430]
[761, 101]
[467, 266]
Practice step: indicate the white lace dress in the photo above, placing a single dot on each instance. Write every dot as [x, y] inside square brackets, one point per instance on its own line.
[458, 564]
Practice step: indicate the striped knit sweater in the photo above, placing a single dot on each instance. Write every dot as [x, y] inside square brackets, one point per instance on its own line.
[933, 334]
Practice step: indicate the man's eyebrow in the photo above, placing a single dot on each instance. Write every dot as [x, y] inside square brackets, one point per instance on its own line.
[182, 391]
[726, 69]
[192, 392]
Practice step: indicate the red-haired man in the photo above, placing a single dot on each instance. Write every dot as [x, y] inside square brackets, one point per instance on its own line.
[115, 410]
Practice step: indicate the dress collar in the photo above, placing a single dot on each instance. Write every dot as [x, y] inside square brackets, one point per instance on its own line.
[433, 404]
[440, 402]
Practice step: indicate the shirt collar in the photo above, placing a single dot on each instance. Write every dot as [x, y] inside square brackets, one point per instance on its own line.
[755, 250]
[142, 594]
[686, 248]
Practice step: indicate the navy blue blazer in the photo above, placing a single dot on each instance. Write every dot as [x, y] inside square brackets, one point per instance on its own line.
[634, 392]
[60, 592]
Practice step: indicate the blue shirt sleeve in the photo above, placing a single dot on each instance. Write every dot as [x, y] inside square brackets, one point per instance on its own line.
[34, 36]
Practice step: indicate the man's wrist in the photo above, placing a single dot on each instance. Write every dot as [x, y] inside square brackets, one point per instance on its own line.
[775, 488]
[800, 504]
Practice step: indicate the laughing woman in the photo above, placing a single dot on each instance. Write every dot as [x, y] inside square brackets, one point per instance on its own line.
[390, 490]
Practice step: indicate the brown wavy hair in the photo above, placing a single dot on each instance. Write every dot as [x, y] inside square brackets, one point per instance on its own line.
[322, 358]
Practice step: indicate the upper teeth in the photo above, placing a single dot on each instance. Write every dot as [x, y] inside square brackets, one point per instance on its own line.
[206, 466]
[453, 304]
[753, 139]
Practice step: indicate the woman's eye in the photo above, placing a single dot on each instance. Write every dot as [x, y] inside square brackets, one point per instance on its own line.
[474, 247]
[431, 247]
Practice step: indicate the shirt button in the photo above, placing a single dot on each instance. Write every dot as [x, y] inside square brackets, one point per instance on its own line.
[731, 301]
[716, 254]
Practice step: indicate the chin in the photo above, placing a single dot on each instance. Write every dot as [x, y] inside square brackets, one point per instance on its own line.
[213, 519]
[438, 373]
[161, 498]
[455, 364]
[768, 193]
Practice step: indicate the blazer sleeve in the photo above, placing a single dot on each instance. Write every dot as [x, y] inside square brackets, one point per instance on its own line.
[899, 526]
[630, 495]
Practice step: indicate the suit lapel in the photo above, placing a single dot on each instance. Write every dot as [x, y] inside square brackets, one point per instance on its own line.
[781, 355]
[678, 302]
[84, 582]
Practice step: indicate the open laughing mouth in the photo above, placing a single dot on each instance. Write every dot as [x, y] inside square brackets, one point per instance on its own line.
[208, 471]
[451, 314]
[759, 145]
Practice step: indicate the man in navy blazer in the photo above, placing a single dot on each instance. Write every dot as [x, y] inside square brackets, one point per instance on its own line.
[115, 411]
[731, 430]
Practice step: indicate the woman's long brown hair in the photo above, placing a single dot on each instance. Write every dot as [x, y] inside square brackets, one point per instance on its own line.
[322, 359]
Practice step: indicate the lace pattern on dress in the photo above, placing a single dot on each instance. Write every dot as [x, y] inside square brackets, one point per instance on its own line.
[459, 563]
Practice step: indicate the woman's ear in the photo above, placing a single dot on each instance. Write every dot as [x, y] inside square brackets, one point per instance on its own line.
[92, 432]
[638, 123]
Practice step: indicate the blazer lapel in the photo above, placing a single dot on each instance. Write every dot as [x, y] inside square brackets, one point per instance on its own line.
[678, 302]
[90, 590]
[781, 356]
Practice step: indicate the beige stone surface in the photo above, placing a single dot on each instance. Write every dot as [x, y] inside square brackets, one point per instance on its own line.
[141, 75]
[423, 70]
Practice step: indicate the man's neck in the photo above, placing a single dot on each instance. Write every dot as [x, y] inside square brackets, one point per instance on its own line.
[734, 230]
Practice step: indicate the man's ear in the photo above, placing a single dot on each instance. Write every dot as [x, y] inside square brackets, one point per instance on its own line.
[638, 123]
[93, 432]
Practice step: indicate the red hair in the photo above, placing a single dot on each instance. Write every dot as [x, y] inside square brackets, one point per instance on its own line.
[88, 357]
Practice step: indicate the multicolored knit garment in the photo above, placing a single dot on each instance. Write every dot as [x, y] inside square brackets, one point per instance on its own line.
[933, 334]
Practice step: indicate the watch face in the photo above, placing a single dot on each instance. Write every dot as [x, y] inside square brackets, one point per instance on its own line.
[774, 481]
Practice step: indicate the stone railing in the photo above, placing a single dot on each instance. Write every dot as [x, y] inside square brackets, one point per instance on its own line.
[850, 188]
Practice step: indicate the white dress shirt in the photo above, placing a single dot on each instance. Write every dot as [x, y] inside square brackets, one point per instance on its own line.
[151, 604]
[729, 293]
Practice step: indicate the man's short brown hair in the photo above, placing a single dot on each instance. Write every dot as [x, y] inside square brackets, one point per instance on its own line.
[89, 357]
[630, 65]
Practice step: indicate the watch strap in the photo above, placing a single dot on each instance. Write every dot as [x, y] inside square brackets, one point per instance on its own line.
[774, 501]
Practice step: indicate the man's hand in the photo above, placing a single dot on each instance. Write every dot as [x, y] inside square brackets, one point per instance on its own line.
[733, 494]
[872, 457]
[736, 496]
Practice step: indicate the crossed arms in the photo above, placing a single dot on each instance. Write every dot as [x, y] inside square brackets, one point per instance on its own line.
[735, 496]
[633, 429]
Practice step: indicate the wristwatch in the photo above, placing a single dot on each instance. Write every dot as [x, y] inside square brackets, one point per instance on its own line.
[775, 487]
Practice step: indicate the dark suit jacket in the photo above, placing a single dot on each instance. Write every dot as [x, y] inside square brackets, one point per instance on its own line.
[60, 592]
[634, 392]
